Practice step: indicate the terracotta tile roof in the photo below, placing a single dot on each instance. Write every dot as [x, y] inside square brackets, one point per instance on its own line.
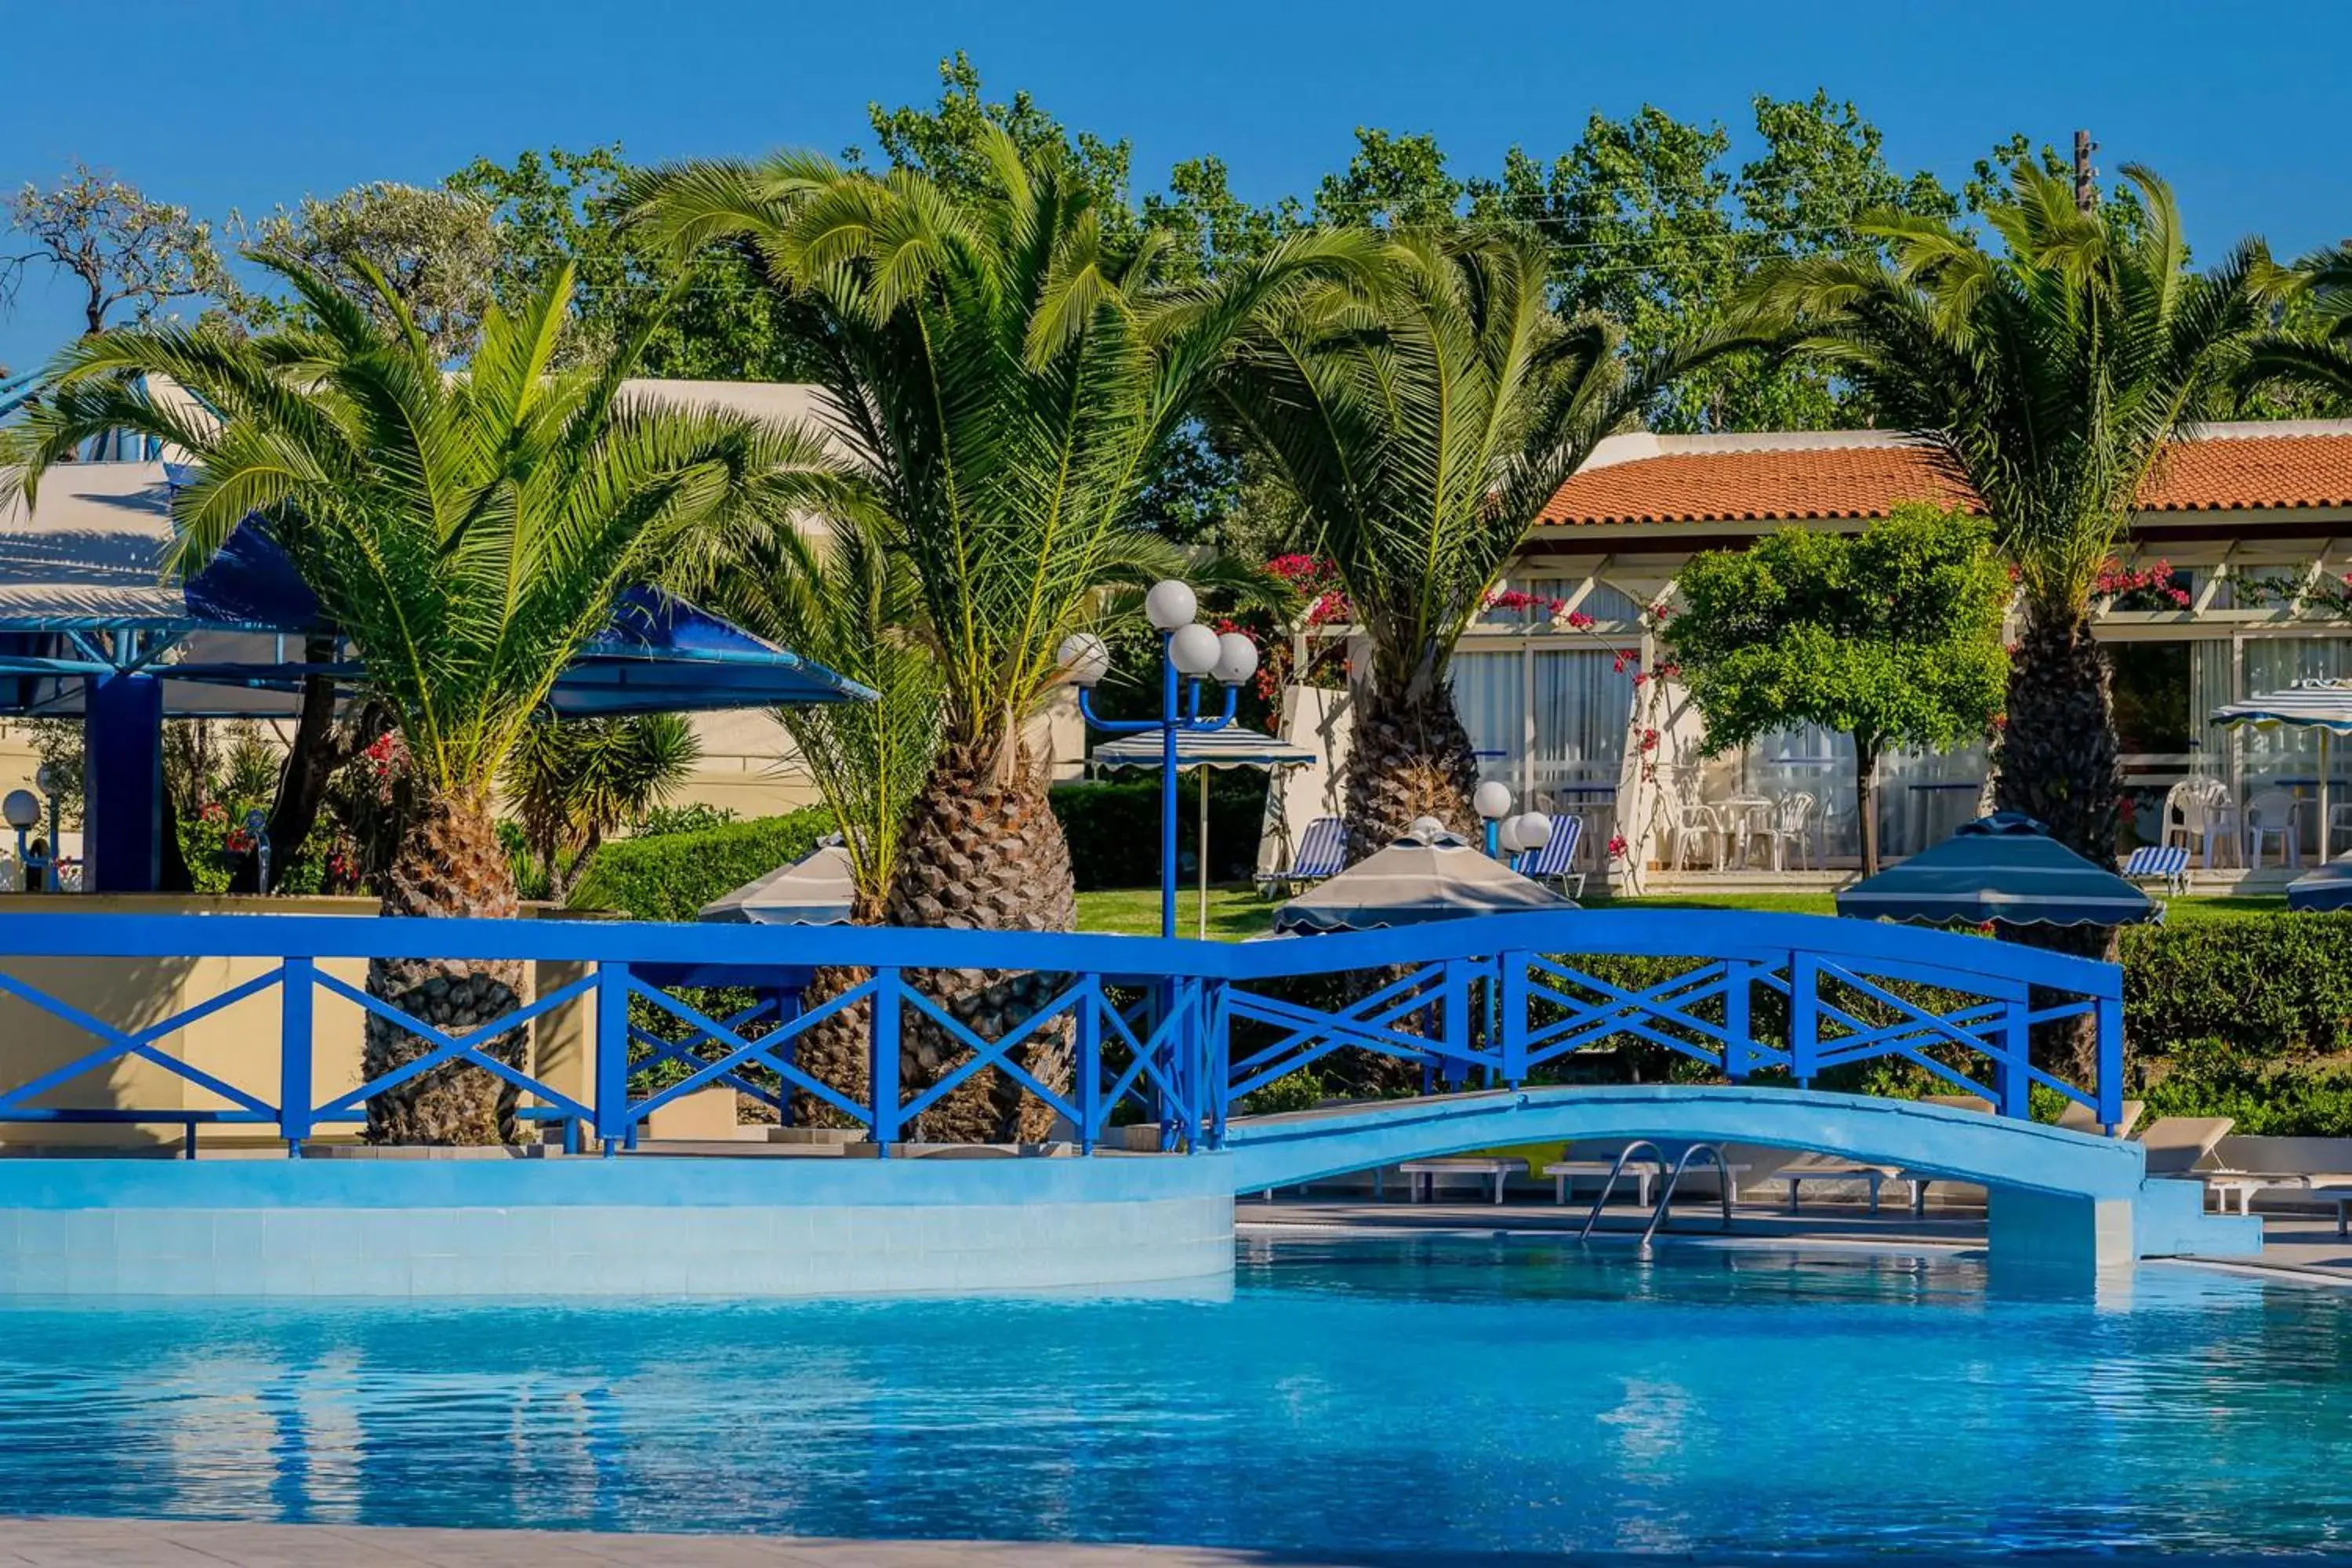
[1765, 485]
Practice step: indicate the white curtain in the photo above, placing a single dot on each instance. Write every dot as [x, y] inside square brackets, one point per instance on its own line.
[1583, 702]
[1490, 694]
[2212, 683]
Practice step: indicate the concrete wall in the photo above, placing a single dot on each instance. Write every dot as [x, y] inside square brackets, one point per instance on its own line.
[594, 1227]
[239, 1044]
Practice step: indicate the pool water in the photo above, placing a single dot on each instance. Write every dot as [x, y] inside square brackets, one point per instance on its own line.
[1422, 1395]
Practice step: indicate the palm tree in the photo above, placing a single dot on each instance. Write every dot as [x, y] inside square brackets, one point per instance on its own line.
[571, 783]
[467, 534]
[2320, 357]
[1006, 374]
[1422, 421]
[2050, 375]
[845, 597]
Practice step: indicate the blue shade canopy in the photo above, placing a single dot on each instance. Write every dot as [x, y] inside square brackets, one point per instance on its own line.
[2003, 867]
[2328, 888]
[82, 592]
[1230, 747]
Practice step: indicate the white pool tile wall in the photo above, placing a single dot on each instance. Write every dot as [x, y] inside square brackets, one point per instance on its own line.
[569, 1229]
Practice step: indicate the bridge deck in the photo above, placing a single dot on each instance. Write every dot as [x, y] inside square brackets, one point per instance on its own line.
[1959, 1144]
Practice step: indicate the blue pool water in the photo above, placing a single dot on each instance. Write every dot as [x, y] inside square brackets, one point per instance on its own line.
[1422, 1395]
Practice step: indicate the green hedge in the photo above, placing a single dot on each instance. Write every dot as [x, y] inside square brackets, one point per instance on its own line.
[1113, 828]
[2247, 1018]
[2274, 986]
[672, 875]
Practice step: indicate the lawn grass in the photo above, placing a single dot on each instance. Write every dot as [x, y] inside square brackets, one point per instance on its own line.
[1237, 910]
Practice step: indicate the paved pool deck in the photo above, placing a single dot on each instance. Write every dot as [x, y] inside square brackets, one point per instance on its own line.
[146, 1544]
[2298, 1244]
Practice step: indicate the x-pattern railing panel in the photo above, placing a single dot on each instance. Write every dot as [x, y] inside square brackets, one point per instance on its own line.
[1505, 997]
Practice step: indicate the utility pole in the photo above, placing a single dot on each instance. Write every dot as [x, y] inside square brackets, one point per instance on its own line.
[2086, 185]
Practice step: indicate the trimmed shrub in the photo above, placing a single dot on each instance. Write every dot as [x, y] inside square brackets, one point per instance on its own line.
[1113, 828]
[2272, 988]
[672, 875]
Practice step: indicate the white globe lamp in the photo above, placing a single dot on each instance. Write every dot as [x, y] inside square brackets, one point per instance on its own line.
[1428, 829]
[1236, 658]
[1534, 829]
[22, 808]
[1171, 605]
[1086, 658]
[1508, 836]
[1195, 647]
[1491, 800]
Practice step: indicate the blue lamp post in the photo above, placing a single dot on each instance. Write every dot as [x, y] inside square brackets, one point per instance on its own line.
[1189, 651]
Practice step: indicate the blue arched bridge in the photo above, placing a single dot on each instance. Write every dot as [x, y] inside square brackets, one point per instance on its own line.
[1752, 1019]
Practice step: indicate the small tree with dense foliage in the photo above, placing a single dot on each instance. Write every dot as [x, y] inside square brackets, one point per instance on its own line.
[1892, 636]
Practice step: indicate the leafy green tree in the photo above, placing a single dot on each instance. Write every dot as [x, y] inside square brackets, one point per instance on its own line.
[1005, 372]
[571, 783]
[950, 144]
[123, 249]
[2051, 374]
[439, 251]
[707, 316]
[1422, 421]
[1647, 224]
[1891, 635]
[468, 535]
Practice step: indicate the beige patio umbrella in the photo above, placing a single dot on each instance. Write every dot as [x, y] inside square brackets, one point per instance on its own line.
[1429, 874]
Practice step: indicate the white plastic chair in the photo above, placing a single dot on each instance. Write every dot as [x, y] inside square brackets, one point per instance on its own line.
[2199, 816]
[1787, 826]
[1683, 821]
[2274, 813]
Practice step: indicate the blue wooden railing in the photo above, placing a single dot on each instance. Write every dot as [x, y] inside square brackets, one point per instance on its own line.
[1179, 1031]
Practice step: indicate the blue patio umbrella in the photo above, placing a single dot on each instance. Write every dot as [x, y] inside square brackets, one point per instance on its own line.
[2003, 867]
[2328, 888]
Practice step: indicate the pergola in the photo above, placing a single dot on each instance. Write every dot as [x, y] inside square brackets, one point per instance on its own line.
[91, 629]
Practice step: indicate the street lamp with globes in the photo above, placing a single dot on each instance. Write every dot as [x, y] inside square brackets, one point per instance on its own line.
[1189, 653]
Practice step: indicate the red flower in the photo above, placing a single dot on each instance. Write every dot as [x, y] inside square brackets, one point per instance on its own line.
[1616, 846]
[1649, 740]
[1578, 621]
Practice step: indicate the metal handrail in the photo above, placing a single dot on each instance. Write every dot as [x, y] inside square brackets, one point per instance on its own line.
[1610, 1186]
[1666, 1198]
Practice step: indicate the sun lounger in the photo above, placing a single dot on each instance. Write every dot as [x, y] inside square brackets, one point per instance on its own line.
[1320, 853]
[1832, 1168]
[1422, 1175]
[2080, 1117]
[2182, 1145]
[2335, 1190]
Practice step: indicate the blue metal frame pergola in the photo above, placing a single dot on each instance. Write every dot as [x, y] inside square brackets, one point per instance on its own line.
[90, 629]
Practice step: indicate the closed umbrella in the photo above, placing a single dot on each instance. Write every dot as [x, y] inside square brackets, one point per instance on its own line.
[2328, 888]
[2321, 705]
[816, 890]
[2003, 867]
[1426, 875]
[1230, 747]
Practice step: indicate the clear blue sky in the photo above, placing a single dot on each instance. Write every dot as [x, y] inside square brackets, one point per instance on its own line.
[253, 102]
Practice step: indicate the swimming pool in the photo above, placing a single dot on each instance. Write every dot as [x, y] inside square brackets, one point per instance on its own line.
[1412, 1394]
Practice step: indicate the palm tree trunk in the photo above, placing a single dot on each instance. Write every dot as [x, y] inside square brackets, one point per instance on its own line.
[1408, 757]
[449, 864]
[2059, 764]
[983, 853]
[2058, 760]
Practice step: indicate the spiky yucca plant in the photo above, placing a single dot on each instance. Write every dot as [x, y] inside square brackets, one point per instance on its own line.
[468, 533]
[571, 783]
[1007, 375]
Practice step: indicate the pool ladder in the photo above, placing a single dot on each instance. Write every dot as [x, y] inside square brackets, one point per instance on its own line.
[1666, 1193]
